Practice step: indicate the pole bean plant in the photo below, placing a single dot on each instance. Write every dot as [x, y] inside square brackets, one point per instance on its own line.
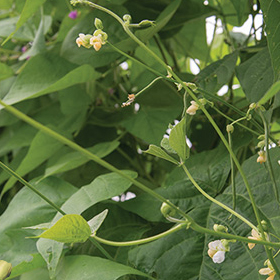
[140, 139]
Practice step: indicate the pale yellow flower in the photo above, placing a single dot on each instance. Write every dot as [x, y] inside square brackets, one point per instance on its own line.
[268, 271]
[96, 42]
[255, 236]
[193, 108]
[262, 157]
[83, 40]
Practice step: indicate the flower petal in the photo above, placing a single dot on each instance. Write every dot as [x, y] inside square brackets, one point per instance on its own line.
[219, 257]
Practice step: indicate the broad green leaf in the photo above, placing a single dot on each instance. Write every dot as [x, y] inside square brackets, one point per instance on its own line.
[177, 139]
[87, 267]
[218, 73]
[38, 45]
[23, 211]
[42, 147]
[40, 273]
[51, 73]
[161, 21]
[271, 10]
[273, 90]
[6, 4]
[24, 267]
[240, 6]
[101, 188]
[158, 152]
[5, 71]
[159, 106]
[29, 9]
[70, 228]
[256, 75]
[73, 160]
[97, 221]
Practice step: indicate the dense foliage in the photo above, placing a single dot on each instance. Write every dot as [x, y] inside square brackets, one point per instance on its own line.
[178, 123]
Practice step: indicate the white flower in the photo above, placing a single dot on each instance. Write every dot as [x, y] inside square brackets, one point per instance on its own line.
[83, 40]
[217, 251]
[96, 42]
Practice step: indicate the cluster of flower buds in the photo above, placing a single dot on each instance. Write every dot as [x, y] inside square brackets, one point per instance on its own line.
[96, 40]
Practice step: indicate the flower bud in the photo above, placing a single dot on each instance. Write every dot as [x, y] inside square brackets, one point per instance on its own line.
[5, 269]
[146, 23]
[192, 86]
[252, 106]
[98, 23]
[220, 228]
[261, 144]
[230, 128]
[264, 225]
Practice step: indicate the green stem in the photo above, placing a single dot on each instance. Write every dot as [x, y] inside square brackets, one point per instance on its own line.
[216, 201]
[97, 245]
[14, 174]
[149, 85]
[89, 155]
[269, 165]
[232, 120]
[140, 241]
[20, 179]
[232, 175]
[203, 230]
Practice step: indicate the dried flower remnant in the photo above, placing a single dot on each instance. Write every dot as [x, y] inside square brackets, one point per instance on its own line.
[131, 98]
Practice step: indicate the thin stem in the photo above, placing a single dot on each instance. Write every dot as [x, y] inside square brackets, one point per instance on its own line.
[90, 155]
[232, 175]
[20, 179]
[149, 85]
[105, 253]
[216, 201]
[140, 241]
[201, 229]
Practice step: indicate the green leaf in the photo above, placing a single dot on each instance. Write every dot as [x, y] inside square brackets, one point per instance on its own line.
[29, 9]
[273, 90]
[101, 188]
[87, 267]
[239, 6]
[41, 148]
[73, 160]
[70, 228]
[159, 106]
[51, 73]
[271, 10]
[24, 267]
[218, 73]
[177, 139]
[14, 247]
[158, 152]
[256, 75]
[38, 45]
[5, 71]
[97, 221]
